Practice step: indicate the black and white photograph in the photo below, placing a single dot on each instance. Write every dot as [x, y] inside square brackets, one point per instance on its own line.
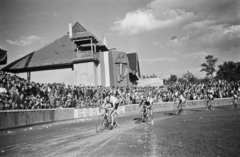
[120, 78]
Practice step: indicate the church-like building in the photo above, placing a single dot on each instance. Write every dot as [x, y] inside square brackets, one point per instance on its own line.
[78, 58]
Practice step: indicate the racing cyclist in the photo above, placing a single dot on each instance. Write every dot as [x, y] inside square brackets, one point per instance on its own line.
[113, 103]
[235, 98]
[147, 106]
[210, 93]
[182, 101]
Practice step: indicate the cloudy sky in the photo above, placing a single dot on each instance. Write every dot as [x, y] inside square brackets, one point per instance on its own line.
[170, 36]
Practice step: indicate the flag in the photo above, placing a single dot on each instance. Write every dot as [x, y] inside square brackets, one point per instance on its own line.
[3, 56]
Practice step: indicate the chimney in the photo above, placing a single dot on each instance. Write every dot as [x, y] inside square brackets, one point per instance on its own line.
[104, 40]
[70, 30]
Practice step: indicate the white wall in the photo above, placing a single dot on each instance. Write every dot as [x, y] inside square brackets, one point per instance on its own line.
[150, 82]
[65, 76]
[85, 73]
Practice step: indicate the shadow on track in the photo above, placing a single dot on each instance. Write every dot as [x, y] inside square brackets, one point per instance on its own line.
[169, 114]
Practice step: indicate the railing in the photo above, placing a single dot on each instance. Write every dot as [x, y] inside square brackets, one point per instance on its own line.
[83, 55]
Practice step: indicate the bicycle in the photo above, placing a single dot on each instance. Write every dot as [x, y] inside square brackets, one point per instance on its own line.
[179, 108]
[234, 103]
[144, 114]
[104, 120]
[210, 105]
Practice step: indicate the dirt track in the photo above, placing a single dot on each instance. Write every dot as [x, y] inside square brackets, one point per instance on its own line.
[193, 134]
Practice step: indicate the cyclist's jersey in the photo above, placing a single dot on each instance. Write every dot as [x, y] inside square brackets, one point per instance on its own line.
[112, 100]
[235, 95]
[181, 98]
[147, 103]
[150, 100]
[210, 93]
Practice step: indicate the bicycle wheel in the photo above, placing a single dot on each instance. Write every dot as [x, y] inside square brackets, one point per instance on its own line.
[207, 104]
[212, 105]
[141, 118]
[100, 124]
[234, 104]
[175, 107]
[146, 115]
[115, 123]
[184, 108]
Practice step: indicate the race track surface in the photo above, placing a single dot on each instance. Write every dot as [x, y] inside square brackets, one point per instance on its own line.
[169, 136]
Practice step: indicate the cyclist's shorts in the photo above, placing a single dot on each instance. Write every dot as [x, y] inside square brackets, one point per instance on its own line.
[116, 106]
[210, 97]
[181, 101]
[235, 97]
[147, 104]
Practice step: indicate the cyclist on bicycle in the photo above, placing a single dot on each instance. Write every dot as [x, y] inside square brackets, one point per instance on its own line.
[147, 101]
[235, 97]
[113, 103]
[210, 93]
[182, 101]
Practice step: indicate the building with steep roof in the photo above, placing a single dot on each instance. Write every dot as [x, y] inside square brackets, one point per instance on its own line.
[76, 58]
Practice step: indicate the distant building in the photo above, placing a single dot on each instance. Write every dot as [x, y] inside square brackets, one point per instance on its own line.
[78, 58]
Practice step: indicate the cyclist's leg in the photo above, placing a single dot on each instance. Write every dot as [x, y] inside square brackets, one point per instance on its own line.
[112, 114]
[211, 104]
[208, 101]
[151, 113]
[144, 112]
[147, 112]
[183, 107]
[112, 117]
[211, 101]
[179, 107]
[234, 103]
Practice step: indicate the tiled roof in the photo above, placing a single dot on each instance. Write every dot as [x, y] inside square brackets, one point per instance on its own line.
[57, 53]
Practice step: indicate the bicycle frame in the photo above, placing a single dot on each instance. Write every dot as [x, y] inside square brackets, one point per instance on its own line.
[234, 102]
[210, 105]
[104, 120]
[145, 114]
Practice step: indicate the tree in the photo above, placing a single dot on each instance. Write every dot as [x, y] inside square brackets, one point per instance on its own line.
[204, 80]
[228, 71]
[189, 77]
[172, 79]
[209, 66]
[182, 80]
[154, 76]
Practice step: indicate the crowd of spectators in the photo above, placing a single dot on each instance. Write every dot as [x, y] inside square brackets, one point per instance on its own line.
[18, 93]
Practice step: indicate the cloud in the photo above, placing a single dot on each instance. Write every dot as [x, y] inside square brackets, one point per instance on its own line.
[156, 43]
[199, 24]
[224, 11]
[195, 55]
[179, 72]
[209, 33]
[150, 61]
[176, 52]
[150, 19]
[24, 41]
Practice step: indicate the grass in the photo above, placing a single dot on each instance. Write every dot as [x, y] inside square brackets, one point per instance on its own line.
[212, 133]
